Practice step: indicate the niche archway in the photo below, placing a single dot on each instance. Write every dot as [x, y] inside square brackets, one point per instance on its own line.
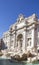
[19, 41]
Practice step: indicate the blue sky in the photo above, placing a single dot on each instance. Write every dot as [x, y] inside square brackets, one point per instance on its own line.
[10, 9]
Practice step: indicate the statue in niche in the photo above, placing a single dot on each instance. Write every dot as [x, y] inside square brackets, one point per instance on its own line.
[19, 41]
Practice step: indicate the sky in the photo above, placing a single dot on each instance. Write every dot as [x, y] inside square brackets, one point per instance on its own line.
[10, 9]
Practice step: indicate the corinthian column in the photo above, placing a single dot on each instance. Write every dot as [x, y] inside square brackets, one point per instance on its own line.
[24, 41]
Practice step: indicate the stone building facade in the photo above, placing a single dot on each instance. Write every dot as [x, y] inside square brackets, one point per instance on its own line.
[23, 36]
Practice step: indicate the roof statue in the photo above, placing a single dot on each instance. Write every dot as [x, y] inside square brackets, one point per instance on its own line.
[20, 18]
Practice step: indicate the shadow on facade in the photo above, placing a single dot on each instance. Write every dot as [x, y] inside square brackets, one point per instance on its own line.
[2, 45]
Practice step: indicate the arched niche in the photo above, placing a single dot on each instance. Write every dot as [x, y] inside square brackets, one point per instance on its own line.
[19, 41]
